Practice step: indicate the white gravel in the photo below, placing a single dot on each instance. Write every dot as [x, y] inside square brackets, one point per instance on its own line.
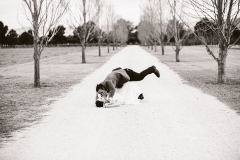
[174, 121]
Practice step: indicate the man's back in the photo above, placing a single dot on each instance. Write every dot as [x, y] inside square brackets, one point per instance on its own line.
[118, 77]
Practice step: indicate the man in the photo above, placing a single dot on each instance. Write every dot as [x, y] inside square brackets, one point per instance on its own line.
[117, 78]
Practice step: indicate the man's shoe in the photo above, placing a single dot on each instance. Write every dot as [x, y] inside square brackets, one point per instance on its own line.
[155, 71]
[141, 96]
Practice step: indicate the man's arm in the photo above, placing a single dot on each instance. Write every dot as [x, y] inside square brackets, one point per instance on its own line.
[111, 88]
[107, 105]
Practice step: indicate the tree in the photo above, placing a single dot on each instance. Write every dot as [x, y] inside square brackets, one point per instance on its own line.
[84, 24]
[59, 37]
[12, 37]
[100, 33]
[203, 29]
[72, 39]
[101, 36]
[26, 38]
[114, 30]
[89, 27]
[3, 31]
[182, 32]
[160, 22]
[235, 37]
[122, 31]
[147, 33]
[224, 14]
[175, 28]
[109, 14]
[143, 32]
[43, 16]
[150, 23]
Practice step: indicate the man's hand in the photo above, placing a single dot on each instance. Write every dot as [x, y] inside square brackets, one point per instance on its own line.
[109, 100]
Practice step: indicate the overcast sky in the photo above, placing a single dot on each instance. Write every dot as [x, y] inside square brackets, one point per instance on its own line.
[11, 14]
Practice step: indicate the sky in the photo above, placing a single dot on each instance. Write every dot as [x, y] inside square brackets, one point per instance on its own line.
[8, 12]
[11, 12]
[128, 9]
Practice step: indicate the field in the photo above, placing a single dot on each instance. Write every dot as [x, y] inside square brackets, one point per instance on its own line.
[21, 104]
[199, 69]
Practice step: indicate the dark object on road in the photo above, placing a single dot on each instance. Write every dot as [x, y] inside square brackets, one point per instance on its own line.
[141, 97]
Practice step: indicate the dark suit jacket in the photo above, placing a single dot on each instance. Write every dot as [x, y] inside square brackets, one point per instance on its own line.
[115, 78]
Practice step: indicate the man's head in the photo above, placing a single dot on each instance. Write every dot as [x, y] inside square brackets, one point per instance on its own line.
[101, 90]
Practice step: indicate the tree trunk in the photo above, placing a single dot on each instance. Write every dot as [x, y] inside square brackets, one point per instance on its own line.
[155, 46]
[177, 53]
[152, 47]
[36, 58]
[84, 32]
[36, 55]
[36, 73]
[83, 54]
[113, 47]
[108, 47]
[99, 49]
[162, 49]
[222, 64]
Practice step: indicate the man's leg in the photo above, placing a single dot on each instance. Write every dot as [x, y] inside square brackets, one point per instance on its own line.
[134, 76]
[150, 70]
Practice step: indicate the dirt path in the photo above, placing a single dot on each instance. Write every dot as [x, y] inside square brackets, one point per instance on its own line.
[174, 121]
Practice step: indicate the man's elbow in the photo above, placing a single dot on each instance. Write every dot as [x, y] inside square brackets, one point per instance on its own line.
[111, 94]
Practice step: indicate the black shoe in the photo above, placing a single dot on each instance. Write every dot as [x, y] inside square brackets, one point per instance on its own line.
[155, 71]
[141, 96]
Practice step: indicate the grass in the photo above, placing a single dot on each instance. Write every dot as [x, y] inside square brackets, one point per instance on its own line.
[22, 55]
[21, 104]
[199, 69]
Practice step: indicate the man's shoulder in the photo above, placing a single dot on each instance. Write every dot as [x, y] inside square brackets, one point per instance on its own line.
[123, 73]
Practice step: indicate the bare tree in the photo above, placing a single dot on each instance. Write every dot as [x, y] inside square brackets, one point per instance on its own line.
[109, 14]
[101, 35]
[160, 24]
[114, 36]
[225, 16]
[176, 28]
[114, 19]
[148, 27]
[146, 33]
[122, 31]
[153, 13]
[143, 35]
[84, 20]
[43, 15]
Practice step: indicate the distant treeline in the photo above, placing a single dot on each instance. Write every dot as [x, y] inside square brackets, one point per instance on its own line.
[10, 39]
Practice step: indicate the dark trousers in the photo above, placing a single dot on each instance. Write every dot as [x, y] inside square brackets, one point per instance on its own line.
[134, 76]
